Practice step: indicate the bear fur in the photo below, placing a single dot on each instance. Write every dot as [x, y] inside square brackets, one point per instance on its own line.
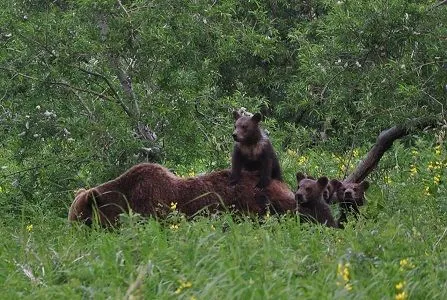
[330, 193]
[350, 197]
[149, 189]
[309, 196]
[253, 151]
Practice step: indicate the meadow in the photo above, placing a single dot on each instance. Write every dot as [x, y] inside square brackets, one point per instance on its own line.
[396, 250]
[89, 88]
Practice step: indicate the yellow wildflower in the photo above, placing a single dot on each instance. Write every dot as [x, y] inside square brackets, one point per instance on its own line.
[173, 206]
[405, 264]
[401, 296]
[414, 152]
[387, 179]
[343, 273]
[191, 173]
[183, 285]
[348, 286]
[400, 285]
[29, 227]
[413, 170]
[430, 166]
[438, 150]
[302, 159]
[267, 215]
[427, 191]
[291, 152]
[212, 227]
[355, 153]
[346, 273]
[437, 179]
[174, 226]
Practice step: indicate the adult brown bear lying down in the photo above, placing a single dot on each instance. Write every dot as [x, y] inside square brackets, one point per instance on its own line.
[149, 189]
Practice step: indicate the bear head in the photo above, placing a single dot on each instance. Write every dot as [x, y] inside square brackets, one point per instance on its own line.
[246, 128]
[91, 206]
[331, 189]
[309, 190]
[352, 194]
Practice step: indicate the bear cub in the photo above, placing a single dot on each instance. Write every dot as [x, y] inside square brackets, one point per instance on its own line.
[330, 193]
[311, 203]
[350, 197]
[253, 150]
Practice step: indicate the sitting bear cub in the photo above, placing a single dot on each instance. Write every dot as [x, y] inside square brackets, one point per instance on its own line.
[253, 151]
[350, 197]
[311, 204]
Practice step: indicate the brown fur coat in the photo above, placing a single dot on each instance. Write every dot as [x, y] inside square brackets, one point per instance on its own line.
[149, 189]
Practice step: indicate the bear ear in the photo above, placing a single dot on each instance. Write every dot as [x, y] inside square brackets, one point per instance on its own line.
[80, 191]
[257, 117]
[88, 198]
[236, 114]
[323, 181]
[82, 203]
[364, 185]
[299, 176]
[335, 184]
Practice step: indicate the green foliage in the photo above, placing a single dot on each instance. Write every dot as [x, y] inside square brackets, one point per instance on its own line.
[396, 247]
[102, 85]
[89, 88]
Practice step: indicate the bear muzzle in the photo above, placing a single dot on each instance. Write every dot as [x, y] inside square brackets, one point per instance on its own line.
[299, 198]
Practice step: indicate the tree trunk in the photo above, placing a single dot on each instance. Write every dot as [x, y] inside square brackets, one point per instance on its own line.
[384, 142]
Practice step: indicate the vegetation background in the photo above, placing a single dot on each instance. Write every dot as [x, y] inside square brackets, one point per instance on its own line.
[90, 88]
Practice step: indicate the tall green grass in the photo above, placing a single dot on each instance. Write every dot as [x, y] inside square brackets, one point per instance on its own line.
[396, 250]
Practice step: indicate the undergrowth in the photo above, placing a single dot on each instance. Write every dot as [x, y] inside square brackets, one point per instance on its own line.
[396, 250]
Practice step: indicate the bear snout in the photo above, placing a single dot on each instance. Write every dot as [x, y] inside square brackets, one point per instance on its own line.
[235, 137]
[299, 198]
[348, 194]
[88, 221]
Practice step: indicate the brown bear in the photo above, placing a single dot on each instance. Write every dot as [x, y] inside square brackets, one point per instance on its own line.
[330, 192]
[350, 197]
[253, 151]
[311, 204]
[149, 189]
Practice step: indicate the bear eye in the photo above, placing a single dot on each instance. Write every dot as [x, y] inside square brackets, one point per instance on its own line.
[308, 189]
[355, 189]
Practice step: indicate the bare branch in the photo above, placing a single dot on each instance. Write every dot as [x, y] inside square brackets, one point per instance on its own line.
[61, 83]
[121, 5]
[438, 4]
[74, 88]
[126, 82]
[109, 84]
[384, 142]
[123, 77]
[100, 76]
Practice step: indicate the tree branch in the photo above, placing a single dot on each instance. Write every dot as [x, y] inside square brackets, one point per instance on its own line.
[74, 88]
[123, 77]
[109, 84]
[438, 4]
[384, 142]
